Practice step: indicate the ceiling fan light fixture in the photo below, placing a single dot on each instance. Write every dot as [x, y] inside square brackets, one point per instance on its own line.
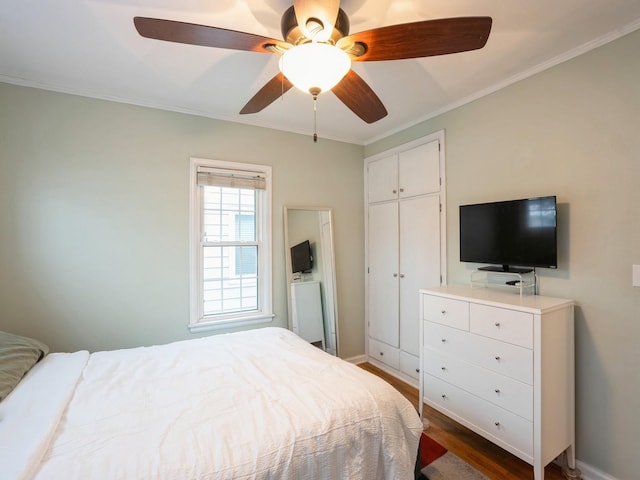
[315, 66]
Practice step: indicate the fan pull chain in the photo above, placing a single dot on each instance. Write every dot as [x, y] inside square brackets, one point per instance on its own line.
[315, 119]
[315, 91]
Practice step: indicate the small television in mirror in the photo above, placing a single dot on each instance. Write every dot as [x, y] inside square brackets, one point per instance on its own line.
[301, 257]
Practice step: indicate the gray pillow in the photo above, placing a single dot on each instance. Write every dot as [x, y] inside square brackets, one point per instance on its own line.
[17, 356]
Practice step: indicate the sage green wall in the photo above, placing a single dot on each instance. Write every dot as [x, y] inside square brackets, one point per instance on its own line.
[571, 131]
[94, 216]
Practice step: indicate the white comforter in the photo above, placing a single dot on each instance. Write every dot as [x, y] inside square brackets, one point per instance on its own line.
[261, 404]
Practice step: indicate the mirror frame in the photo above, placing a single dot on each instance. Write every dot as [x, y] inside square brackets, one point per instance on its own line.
[332, 262]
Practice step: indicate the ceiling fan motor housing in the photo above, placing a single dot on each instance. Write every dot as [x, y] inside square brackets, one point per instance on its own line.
[292, 33]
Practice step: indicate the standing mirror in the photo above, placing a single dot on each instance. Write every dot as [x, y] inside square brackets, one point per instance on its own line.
[310, 273]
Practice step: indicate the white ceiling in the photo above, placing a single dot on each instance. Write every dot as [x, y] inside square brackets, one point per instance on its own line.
[91, 48]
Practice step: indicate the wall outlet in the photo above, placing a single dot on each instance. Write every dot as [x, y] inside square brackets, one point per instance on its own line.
[636, 276]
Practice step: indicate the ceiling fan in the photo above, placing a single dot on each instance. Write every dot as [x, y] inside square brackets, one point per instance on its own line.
[316, 31]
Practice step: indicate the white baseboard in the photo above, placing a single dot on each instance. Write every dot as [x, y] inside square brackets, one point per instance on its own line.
[357, 359]
[592, 473]
[393, 372]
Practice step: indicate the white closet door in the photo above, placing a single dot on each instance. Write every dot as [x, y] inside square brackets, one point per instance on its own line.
[419, 263]
[382, 179]
[419, 170]
[383, 273]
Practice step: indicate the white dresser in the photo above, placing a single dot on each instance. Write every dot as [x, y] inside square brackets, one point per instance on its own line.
[306, 312]
[503, 365]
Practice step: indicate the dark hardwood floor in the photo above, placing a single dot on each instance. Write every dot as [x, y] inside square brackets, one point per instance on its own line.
[493, 461]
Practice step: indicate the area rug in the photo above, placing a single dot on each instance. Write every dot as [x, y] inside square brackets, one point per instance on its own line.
[436, 463]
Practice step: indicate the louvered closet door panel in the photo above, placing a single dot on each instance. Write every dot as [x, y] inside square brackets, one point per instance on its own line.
[383, 273]
[419, 263]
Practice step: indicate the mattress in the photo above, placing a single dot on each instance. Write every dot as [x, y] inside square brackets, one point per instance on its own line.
[261, 404]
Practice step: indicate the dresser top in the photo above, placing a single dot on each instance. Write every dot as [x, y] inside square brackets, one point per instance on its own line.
[487, 296]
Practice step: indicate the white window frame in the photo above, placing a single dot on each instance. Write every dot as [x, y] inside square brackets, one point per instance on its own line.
[264, 314]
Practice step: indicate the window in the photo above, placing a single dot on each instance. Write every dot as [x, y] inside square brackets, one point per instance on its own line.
[230, 244]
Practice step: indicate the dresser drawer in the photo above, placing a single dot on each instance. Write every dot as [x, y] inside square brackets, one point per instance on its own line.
[454, 313]
[384, 353]
[410, 365]
[501, 357]
[502, 324]
[495, 423]
[505, 392]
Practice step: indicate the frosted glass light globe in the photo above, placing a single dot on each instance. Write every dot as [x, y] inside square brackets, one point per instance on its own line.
[315, 67]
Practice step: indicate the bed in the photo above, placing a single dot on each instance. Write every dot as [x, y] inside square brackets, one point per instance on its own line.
[260, 404]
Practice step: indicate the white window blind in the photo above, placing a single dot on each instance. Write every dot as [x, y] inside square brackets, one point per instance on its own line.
[208, 177]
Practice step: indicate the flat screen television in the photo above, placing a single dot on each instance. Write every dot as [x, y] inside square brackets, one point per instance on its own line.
[301, 258]
[510, 234]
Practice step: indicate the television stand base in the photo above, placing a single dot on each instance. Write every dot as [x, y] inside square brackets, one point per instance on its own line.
[505, 269]
[525, 282]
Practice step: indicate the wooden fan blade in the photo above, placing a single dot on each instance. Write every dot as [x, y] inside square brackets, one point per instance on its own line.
[324, 10]
[206, 36]
[354, 92]
[274, 89]
[421, 39]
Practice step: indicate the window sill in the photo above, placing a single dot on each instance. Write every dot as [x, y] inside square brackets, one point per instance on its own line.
[209, 325]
